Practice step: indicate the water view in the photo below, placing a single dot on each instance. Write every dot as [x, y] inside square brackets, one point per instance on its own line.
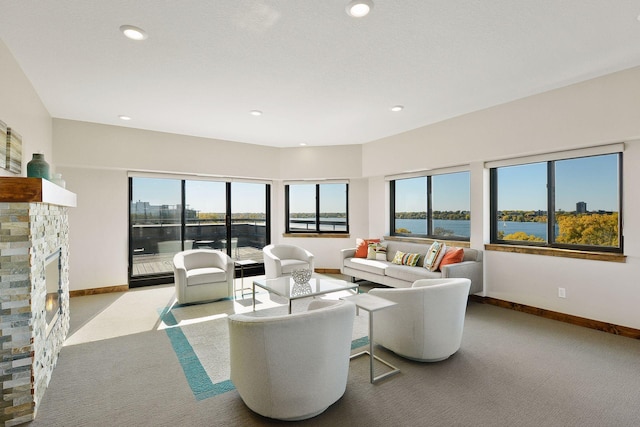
[462, 227]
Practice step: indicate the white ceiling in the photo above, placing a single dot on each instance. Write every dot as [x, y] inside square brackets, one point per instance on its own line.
[320, 76]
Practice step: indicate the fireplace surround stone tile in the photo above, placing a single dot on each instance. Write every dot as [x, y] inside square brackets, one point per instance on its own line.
[29, 233]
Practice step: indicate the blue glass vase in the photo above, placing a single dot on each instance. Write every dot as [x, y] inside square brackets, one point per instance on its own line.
[38, 167]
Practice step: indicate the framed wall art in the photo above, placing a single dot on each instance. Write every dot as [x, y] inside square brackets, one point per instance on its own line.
[14, 151]
[4, 142]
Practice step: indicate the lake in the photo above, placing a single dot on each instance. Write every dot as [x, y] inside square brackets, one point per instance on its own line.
[462, 227]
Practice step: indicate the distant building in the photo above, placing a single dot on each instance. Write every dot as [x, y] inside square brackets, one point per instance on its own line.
[581, 207]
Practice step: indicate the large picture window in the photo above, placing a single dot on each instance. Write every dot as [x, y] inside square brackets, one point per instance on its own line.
[567, 203]
[317, 208]
[435, 206]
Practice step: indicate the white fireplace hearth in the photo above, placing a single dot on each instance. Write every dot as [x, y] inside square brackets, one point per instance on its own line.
[34, 264]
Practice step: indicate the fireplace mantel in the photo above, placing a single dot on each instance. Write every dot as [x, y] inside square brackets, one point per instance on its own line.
[38, 190]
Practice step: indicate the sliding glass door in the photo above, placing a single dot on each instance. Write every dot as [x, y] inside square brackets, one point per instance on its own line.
[205, 224]
[171, 215]
[155, 225]
[249, 226]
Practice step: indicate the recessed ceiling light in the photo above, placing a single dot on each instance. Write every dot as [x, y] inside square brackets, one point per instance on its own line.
[359, 8]
[303, 144]
[255, 112]
[125, 118]
[397, 108]
[133, 33]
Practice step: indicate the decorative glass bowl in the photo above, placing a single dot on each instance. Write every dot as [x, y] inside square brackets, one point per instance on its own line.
[301, 276]
[300, 289]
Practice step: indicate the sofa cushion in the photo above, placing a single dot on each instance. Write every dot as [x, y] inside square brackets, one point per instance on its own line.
[407, 247]
[362, 247]
[402, 258]
[199, 276]
[368, 265]
[377, 251]
[452, 256]
[410, 274]
[434, 256]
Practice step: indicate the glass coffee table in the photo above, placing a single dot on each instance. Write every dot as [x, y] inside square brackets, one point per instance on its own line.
[287, 288]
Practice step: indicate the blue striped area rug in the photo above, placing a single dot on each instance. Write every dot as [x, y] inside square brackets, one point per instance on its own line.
[199, 336]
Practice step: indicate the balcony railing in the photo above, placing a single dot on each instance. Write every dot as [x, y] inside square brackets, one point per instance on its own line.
[154, 242]
[310, 224]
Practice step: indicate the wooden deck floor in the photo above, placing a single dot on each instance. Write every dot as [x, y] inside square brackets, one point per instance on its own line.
[162, 263]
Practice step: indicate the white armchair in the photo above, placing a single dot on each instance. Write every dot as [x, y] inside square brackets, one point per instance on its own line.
[427, 323]
[281, 260]
[202, 275]
[292, 367]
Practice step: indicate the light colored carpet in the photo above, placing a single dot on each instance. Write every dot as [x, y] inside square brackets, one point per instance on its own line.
[512, 369]
[200, 336]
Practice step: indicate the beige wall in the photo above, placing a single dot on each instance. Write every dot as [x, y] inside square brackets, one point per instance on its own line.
[90, 145]
[331, 162]
[594, 112]
[22, 110]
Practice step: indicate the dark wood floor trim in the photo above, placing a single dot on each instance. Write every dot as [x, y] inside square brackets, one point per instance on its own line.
[562, 317]
[327, 270]
[96, 291]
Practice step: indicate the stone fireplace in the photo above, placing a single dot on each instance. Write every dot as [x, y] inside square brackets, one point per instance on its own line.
[34, 263]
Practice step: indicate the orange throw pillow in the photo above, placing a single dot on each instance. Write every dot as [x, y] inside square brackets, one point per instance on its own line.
[452, 256]
[363, 247]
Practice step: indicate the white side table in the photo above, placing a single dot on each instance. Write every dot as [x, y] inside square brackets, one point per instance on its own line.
[372, 304]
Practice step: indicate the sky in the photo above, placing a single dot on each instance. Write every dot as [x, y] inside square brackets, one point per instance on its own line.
[203, 196]
[451, 192]
[593, 180]
[302, 198]
[209, 196]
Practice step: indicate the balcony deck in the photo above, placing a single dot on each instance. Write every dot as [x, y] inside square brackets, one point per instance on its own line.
[162, 263]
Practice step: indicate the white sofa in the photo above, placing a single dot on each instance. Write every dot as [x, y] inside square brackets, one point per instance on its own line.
[292, 367]
[386, 273]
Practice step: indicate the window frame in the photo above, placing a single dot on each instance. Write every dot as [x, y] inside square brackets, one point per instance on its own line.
[429, 212]
[140, 280]
[316, 229]
[551, 211]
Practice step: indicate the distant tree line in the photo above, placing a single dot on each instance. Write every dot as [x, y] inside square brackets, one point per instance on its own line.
[523, 216]
[451, 215]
